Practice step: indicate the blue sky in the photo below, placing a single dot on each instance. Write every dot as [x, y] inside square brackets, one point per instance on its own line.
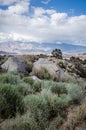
[43, 22]
[72, 7]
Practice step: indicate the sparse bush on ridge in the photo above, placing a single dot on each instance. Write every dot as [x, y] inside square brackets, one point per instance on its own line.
[57, 53]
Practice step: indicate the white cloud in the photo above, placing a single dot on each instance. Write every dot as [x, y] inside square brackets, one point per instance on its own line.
[19, 8]
[46, 1]
[8, 2]
[41, 25]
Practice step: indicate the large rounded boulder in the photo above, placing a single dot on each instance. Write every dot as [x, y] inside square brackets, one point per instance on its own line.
[52, 68]
[14, 63]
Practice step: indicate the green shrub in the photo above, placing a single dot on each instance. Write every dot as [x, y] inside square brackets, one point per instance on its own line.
[63, 101]
[71, 79]
[55, 87]
[60, 103]
[28, 80]
[24, 89]
[36, 87]
[42, 109]
[57, 101]
[39, 108]
[10, 78]
[47, 84]
[59, 88]
[36, 103]
[11, 101]
[75, 92]
[56, 104]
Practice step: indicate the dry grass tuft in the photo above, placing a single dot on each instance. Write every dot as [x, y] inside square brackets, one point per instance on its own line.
[75, 117]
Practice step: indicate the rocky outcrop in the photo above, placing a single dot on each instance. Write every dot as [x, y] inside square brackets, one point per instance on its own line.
[14, 64]
[53, 69]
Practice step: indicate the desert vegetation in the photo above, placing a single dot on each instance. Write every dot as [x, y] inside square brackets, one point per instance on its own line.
[44, 104]
[27, 104]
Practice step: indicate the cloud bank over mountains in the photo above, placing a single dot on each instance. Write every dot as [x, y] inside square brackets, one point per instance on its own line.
[20, 21]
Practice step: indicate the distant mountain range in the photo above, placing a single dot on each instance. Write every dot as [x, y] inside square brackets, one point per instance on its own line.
[30, 47]
[6, 53]
[3, 52]
[69, 48]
